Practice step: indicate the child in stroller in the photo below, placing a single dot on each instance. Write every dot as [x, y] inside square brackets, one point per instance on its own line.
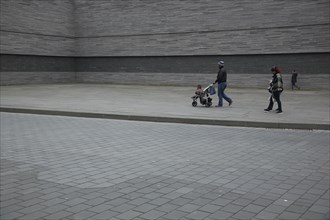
[201, 93]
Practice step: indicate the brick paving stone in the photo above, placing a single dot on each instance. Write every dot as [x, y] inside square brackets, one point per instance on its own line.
[74, 201]
[106, 215]
[242, 202]
[180, 201]
[253, 208]
[210, 208]
[266, 215]
[221, 202]
[31, 209]
[174, 215]
[83, 215]
[244, 215]
[153, 214]
[55, 208]
[78, 208]
[155, 173]
[138, 201]
[95, 202]
[232, 208]
[167, 207]
[34, 215]
[145, 207]
[196, 215]
[58, 215]
[313, 215]
[100, 208]
[129, 215]
[188, 208]
[289, 215]
[10, 209]
[12, 215]
[221, 215]
[159, 201]
[263, 202]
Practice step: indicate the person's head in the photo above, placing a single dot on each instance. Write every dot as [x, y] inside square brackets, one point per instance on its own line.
[199, 86]
[221, 64]
[275, 70]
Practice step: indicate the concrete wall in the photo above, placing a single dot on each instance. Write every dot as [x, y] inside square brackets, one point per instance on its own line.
[27, 69]
[243, 71]
[202, 27]
[37, 27]
[178, 42]
[36, 36]
[162, 42]
[260, 81]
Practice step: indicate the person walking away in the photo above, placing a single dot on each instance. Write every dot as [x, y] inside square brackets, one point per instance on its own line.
[294, 80]
[276, 88]
[222, 84]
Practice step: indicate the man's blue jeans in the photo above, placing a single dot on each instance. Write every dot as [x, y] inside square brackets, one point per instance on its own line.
[221, 93]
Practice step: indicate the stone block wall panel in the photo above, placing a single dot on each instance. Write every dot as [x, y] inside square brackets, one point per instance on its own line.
[17, 78]
[164, 28]
[162, 42]
[37, 27]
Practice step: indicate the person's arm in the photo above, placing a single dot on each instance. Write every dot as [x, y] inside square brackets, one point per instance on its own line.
[219, 76]
[278, 84]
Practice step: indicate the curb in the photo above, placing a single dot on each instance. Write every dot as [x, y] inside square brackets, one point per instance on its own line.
[170, 119]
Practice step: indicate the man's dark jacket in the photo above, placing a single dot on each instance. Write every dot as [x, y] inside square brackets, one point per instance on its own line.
[222, 75]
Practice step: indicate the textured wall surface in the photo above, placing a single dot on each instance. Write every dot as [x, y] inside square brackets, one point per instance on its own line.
[211, 27]
[16, 78]
[162, 42]
[261, 81]
[37, 27]
[24, 63]
[315, 63]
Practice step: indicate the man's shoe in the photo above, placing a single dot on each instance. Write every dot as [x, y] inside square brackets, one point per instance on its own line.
[230, 103]
[279, 111]
[267, 110]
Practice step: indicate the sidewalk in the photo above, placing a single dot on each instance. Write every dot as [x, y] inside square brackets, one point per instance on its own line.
[302, 109]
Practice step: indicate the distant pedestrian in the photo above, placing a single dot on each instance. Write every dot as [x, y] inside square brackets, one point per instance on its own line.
[222, 84]
[294, 80]
[275, 88]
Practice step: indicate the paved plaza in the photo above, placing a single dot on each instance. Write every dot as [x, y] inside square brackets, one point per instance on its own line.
[302, 109]
[55, 167]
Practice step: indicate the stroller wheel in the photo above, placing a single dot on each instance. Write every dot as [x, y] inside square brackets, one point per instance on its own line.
[194, 103]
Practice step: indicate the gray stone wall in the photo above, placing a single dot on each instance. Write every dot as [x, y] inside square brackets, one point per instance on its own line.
[309, 63]
[163, 42]
[211, 27]
[16, 78]
[24, 63]
[260, 81]
[37, 27]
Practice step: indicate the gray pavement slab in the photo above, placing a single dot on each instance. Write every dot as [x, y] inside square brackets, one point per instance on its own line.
[57, 148]
[302, 109]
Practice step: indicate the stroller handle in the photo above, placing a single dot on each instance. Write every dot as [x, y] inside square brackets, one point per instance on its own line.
[207, 87]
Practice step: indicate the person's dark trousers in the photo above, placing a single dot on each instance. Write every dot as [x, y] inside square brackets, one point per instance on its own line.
[221, 93]
[293, 85]
[276, 96]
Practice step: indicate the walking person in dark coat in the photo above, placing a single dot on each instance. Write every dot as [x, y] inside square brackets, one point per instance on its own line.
[276, 88]
[294, 80]
[222, 84]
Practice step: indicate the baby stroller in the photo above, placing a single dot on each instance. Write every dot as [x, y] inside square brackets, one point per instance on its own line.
[204, 97]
